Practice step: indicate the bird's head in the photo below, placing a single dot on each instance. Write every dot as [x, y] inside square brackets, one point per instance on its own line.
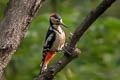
[56, 20]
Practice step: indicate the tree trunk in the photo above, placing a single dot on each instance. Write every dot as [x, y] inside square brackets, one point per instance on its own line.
[17, 17]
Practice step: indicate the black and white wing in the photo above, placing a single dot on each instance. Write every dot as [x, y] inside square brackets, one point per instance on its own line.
[49, 40]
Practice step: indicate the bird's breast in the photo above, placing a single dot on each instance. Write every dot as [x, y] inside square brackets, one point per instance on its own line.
[59, 40]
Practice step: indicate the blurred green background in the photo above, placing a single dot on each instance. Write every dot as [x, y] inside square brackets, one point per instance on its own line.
[100, 45]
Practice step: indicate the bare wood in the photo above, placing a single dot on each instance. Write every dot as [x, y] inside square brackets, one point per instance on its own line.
[71, 47]
[18, 16]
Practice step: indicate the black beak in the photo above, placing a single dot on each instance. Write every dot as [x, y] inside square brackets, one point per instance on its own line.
[63, 25]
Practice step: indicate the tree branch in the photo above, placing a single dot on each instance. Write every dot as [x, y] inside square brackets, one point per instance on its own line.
[18, 16]
[71, 47]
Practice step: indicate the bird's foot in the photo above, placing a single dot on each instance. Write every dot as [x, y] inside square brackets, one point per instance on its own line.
[66, 51]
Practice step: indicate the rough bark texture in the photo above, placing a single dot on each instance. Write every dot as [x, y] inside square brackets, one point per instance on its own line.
[18, 16]
[71, 51]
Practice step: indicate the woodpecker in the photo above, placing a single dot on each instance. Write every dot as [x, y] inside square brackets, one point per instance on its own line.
[54, 41]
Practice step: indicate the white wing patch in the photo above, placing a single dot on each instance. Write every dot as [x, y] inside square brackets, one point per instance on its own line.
[48, 39]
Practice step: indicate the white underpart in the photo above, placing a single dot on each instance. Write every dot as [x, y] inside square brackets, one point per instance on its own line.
[60, 30]
[59, 41]
[62, 35]
[61, 47]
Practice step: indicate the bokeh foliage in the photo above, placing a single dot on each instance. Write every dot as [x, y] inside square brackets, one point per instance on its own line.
[100, 45]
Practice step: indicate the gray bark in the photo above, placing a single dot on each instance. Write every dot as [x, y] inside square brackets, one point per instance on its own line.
[17, 17]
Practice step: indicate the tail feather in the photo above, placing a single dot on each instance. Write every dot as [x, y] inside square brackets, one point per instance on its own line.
[46, 59]
[43, 66]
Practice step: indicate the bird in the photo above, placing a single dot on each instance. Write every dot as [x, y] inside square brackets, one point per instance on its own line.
[54, 41]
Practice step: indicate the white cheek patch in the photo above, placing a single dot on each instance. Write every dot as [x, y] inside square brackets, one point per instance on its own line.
[53, 19]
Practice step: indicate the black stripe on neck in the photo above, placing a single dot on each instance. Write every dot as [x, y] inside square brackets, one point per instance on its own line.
[55, 29]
